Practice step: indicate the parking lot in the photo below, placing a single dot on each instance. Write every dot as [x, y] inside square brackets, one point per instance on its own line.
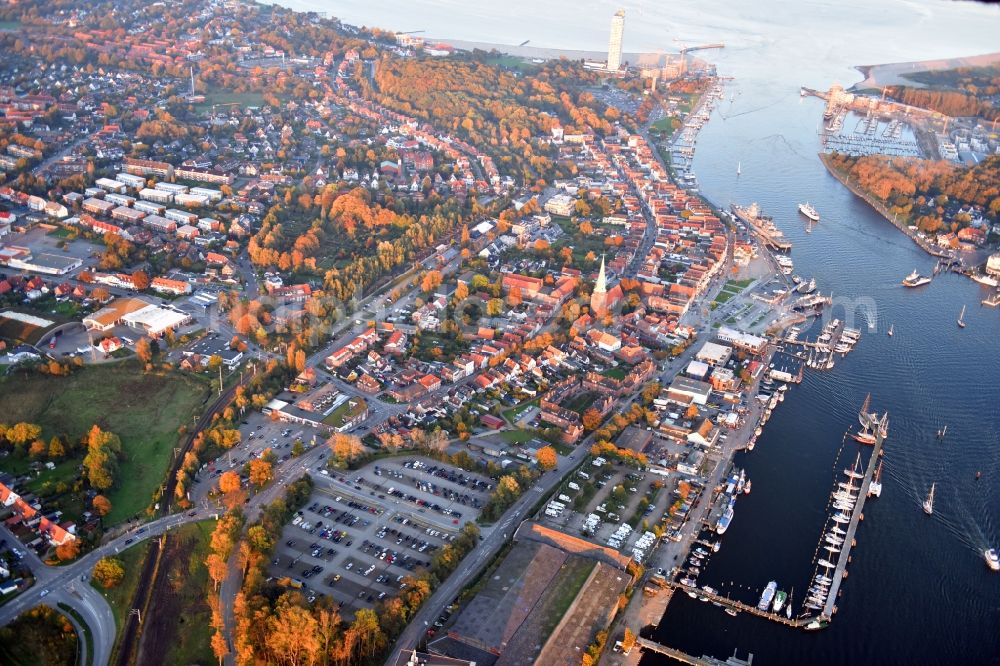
[618, 495]
[259, 432]
[362, 534]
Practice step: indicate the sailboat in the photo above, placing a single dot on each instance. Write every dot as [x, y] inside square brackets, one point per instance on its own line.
[875, 488]
[942, 432]
[890, 330]
[738, 168]
[929, 502]
[961, 316]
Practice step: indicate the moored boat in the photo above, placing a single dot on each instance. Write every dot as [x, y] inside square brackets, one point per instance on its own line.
[779, 601]
[767, 595]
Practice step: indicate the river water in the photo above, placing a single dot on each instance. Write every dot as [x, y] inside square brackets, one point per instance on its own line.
[918, 590]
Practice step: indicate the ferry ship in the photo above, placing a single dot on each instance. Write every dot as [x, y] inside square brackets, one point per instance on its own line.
[809, 211]
[915, 279]
[985, 280]
[767, 596]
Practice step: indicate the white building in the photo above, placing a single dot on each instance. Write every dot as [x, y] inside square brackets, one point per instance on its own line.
[615, 43]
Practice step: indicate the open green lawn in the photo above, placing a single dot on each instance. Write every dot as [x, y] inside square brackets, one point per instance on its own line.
[508, 61]
[515, 412]
[10, 26]
[120, 596]
[229, 97]
[144, 410]
[665, 125]
[580, 403]
[723, 297]
[615, 373]
[516, 436]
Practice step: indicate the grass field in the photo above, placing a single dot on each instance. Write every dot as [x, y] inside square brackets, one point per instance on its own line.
[615, 373]
[228, 97]
[145, 411]
[514, 413]
[723, 297]
[582, 402]
[516, 436]
[10, 26]
[120, 596]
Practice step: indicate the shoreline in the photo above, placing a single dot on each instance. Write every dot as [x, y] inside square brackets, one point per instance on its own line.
[894, 73]
[881, 209]
[635, 59]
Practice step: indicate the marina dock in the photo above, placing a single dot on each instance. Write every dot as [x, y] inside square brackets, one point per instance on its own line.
[840, 572]
[685, 658]
[742, 607]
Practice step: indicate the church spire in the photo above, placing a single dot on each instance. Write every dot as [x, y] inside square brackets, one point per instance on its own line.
[599, 297]
[602, 281]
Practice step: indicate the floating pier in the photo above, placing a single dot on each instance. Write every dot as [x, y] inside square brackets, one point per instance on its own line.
[743, 607]
[685, 658]
[840, 572]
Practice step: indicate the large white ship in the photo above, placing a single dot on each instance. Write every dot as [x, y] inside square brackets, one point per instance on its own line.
[915, 279]
[809, 211]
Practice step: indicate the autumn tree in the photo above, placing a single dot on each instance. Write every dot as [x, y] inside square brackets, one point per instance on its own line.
[261, 472]
[141, 280]
[292, 635]
[220, 648]
[231, 489]
[109, 572]
[628, 642]
[143, 350]
[22, 433]
[430, 281]
[101, 505]
[346, 447]
[547, 458]
[68, 550]
[591, 418]
[101, 461]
